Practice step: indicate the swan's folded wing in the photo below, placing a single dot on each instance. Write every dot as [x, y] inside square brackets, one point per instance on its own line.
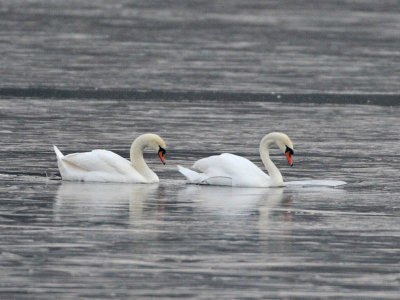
[228, 165]
[204, 164]
[230, 169]
[99, 160]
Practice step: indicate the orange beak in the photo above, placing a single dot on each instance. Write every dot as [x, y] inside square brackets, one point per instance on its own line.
[161, 154]
[289, 158]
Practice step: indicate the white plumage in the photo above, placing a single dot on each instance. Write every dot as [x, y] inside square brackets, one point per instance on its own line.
[232, 170]
[226, 169]
[107, 166]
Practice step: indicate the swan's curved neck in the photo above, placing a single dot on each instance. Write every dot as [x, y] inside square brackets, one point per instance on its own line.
[137, 159]
[273, 171]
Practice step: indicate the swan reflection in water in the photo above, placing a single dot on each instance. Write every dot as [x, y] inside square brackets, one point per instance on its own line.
[129, 203]
[230, 200]
[104, 202]
[267, 212]
[240, 210]
[189, 209]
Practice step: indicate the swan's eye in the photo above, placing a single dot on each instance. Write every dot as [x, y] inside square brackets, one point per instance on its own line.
[290, 150]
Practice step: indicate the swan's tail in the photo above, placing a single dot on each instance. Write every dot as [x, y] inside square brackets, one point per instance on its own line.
[60, 161]
[58, 152]
[190, 175]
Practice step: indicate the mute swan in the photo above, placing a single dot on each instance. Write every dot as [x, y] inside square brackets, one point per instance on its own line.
[106, 166]
[232, 170]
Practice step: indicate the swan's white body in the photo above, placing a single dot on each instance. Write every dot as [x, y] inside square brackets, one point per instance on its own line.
[226, 169]
[232, 170]
[107, 166]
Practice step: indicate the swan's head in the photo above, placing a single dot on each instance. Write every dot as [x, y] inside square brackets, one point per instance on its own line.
[284, 143]
[158, 145]
[152, 141]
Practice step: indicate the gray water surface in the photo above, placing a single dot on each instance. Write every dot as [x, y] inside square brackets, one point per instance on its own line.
[202, 74]
[69, 240]
[252, 46]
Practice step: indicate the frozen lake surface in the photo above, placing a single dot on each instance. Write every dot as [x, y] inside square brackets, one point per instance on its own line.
[69, 240]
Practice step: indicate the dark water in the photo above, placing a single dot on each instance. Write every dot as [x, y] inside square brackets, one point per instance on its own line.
[209, 77]
[252, 46]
